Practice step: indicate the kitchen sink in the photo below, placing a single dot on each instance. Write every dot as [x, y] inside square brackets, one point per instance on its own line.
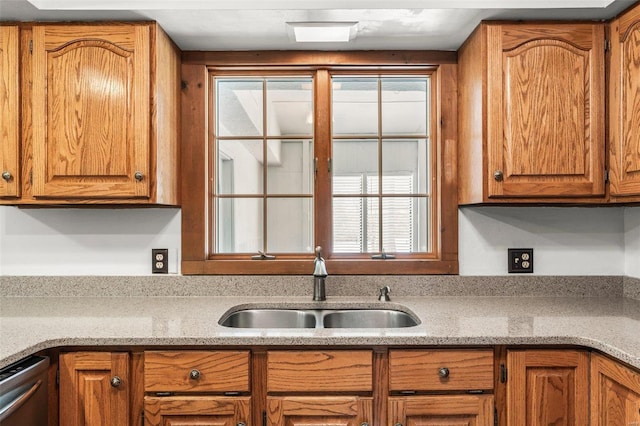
[317, 318]
[269, 318]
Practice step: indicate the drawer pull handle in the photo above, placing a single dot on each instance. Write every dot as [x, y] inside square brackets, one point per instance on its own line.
[364, 424]
[443, 372]
[116, 381]
[398, 424]
[241, 424]
[194, 374]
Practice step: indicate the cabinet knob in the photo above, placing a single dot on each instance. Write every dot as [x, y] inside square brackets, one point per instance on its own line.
[138, 176]
[443, 372]
[194, 374]
[364, 424]
[6, 175]
[241, 424]
[116, 381]
[498, 175]
[398, 424]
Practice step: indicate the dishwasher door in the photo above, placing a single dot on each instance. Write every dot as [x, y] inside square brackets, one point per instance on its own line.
[23, 393]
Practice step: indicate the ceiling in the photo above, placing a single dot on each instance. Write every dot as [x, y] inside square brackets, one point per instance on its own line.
[262, 24]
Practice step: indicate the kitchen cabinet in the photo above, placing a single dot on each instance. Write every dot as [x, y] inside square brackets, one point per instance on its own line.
[94, 388]
[102, 125]
[452, 373]
[531, 113]
[547, 387]
[341, 383]
[197, 388]
[9, 112]
[624, 106]
[615, 393]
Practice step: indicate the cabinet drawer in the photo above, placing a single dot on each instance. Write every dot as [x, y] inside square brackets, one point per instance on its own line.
[319, 371]
[438, 370]
[197, 371]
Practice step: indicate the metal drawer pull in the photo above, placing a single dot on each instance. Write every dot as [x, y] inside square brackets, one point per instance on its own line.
[194, 374]
[364, 424]
[6, 175]
[443, 372]
[241, 424]
[138, 176]
[116, 381]
[398, 424]
[498, 175]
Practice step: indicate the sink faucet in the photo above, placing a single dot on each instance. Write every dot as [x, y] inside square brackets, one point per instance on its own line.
[319, 276]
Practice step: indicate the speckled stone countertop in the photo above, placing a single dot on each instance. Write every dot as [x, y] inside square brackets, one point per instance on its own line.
[32, 324]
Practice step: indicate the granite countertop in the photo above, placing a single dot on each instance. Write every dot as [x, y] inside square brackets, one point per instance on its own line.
[32, 324]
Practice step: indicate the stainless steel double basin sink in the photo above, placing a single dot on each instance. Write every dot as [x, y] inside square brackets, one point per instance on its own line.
[318, 318]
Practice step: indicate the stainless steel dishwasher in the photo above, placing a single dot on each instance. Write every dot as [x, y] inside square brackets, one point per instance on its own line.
[23, 393]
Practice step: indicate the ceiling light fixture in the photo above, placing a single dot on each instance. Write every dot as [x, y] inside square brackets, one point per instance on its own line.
[323, 32]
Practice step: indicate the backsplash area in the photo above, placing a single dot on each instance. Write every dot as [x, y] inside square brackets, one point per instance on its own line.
[567, 241]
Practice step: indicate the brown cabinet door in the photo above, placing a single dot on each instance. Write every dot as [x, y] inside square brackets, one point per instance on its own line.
[624, 104]
[545, 110]
[319, 411]
[197, 411]
[442, 410]
[615, 394]
[9, 113]
[94, 389]
[91, 111]
[547, 387]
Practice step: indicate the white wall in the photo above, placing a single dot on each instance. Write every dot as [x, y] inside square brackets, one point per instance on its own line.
[68, 241]
[566, 240]
[632, 241]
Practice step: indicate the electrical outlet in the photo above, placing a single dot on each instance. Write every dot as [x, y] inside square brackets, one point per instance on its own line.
[520, 260]
[160, 261]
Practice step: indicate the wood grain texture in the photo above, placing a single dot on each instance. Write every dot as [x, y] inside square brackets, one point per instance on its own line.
[441, 410]
[86, 395]
[547, 387]
[320, 371]
[319, 411]
[624, 105]
[615, 393]
[220, 371]
[536, 115]
[9, 111]
[417, 370]
[197, 411]
[91, 111]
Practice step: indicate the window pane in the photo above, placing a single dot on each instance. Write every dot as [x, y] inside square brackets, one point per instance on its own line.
[355, 106]
[239, 225]
[289, 107]
[404, 106]
[240, 167]
[354, 157]
[239, 107]
[405, 157]
[290, 167]
[404, 224]
[289, 225]
[355, 225]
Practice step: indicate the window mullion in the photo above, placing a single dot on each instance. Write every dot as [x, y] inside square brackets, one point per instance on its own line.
[322, 152]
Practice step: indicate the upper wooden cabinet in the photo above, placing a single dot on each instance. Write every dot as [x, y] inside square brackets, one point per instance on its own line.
[9, 112]
[624, 106]
[531, 105]
[102, 124]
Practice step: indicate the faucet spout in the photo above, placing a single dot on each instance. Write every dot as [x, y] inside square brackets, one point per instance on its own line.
[319, 276]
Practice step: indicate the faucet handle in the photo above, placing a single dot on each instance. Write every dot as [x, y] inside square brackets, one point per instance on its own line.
[384, 294]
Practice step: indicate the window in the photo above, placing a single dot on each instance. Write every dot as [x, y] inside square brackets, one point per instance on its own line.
[350, 158]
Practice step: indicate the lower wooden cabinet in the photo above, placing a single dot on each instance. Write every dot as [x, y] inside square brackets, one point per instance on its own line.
[615, 394]
[548, 387]
[319, 411]
[94, 388]
[442, 410]
[197, 411]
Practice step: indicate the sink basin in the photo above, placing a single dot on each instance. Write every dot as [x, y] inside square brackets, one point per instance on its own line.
[368, 318]
[269, 318]
[317, 318]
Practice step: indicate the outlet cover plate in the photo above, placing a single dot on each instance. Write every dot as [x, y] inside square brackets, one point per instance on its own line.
[160, 261]
[520, 260]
